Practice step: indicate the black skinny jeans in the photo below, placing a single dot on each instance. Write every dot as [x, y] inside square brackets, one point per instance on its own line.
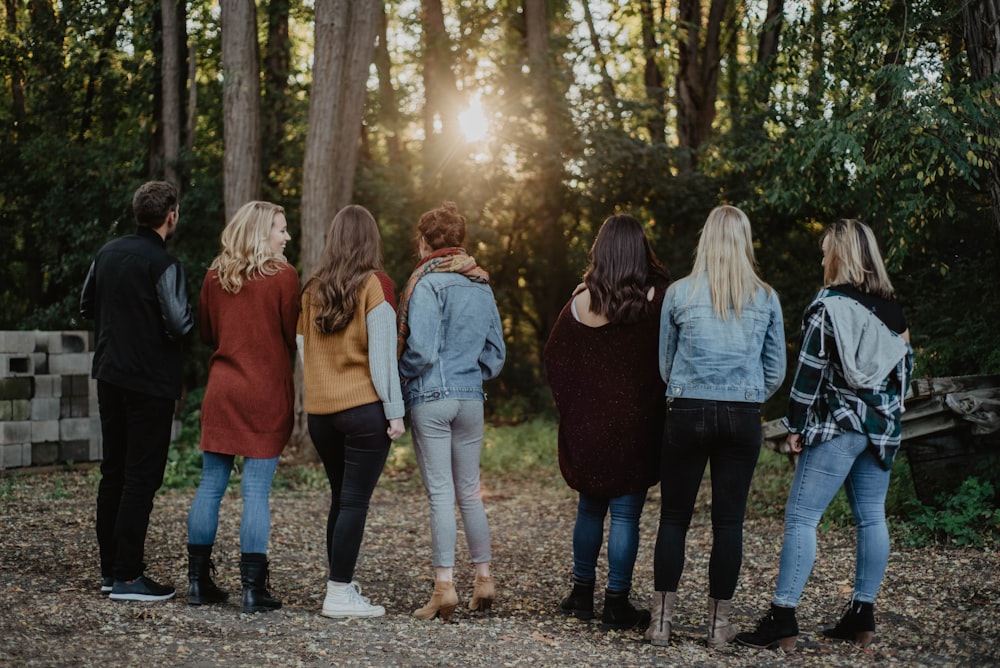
[136, 432]
[353, 446]
[697, 432]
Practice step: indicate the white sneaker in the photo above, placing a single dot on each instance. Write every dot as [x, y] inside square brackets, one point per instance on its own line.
[345, 600]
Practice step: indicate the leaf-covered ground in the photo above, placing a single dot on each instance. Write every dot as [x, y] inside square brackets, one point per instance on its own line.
[938, 607]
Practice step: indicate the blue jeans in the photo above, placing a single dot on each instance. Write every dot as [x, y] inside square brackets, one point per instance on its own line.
[843, 460]
[255, 485]
[623, 537]
[727, 435]
[353, 445]
[448, 440]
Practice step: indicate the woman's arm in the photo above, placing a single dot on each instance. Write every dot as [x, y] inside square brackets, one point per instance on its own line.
[421, 351]
[381, 323]
[774, 356]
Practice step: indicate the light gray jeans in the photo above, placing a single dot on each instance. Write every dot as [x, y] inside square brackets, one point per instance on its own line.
[448, 438]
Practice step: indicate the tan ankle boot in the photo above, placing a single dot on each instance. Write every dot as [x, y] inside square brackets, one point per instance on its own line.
[443, 602]
[483, 594]
[720, 631]
[662, 618]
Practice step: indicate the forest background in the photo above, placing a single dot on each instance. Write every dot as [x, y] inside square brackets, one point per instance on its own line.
[539, 118]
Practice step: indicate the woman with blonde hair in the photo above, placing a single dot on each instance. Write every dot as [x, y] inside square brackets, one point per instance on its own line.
[249, 307]
[844, 420]
[352, 398]
[722, 354]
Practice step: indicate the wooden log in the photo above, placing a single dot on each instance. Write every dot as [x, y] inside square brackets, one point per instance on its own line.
[927, 387]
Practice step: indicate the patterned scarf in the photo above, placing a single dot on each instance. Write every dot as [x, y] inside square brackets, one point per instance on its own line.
[450, 259]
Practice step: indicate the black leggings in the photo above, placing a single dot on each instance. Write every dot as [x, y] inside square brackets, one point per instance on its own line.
[353, 446]
[696, 432]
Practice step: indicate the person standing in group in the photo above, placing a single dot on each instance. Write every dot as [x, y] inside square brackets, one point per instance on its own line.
[137, 295]
[347, 327]
[450, 341]
[722, 354]
[248, 313]
[844, 421]
[600, 360]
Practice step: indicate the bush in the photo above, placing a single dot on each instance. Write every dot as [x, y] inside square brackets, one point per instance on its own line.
[969, 517]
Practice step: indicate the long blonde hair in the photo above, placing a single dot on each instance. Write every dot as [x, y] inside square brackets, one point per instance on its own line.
[352, 252]
[246, 249]
[852, 256]
[725, 259]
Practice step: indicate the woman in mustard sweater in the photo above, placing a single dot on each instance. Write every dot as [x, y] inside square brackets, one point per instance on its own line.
[347, 329]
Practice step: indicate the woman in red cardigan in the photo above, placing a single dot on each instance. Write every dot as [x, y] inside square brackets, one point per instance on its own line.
[601, 365]
[249, 308]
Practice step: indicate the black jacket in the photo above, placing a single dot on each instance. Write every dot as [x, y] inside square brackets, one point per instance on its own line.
[136, 292]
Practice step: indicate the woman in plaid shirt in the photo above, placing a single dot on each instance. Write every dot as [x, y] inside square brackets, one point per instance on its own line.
[844, 419]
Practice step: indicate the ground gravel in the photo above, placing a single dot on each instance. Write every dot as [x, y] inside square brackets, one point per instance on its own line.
[938, 607]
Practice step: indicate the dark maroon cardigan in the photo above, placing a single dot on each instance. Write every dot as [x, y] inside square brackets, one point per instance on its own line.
[607, 387]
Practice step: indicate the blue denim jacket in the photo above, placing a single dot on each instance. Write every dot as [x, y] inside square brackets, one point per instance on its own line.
[704, 357]
[455, 342]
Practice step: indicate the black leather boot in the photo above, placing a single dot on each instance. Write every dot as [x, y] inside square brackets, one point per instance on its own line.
[254, 573]
[619, 613]
[857, 624]
[580, 602]
[778, 628]
[201, 589]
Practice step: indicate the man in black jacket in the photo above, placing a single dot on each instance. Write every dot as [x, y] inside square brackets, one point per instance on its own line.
[137, 294]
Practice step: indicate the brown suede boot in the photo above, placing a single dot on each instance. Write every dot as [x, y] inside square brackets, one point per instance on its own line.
[483, 593]
[443, 602]
[720, 631]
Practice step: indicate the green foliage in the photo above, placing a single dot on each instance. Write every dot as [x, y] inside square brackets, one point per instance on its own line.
[184, 458]
[969, 517]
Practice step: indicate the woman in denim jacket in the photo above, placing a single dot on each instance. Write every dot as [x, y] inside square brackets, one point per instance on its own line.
[450, 341]
[722, 353]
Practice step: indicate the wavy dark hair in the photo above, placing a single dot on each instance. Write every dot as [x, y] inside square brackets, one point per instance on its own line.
[353, 251]
[622, 268]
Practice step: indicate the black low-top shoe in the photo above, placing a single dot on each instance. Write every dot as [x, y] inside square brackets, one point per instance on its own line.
[107, 583]
[141, 589]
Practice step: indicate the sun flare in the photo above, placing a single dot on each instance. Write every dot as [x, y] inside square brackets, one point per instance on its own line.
[473, 121]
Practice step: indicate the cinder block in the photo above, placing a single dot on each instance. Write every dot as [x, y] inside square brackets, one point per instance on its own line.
[77, 385]
[63, 342]
[44, 430]
[26, 454]
[17, 388]
[75, 429]
[20, 409]
[16, 365]
[45, 409]
[48, 386]
[44, 453]
[69, 363]
[17, 342]
[74, 451]
[96, 449]
[15, 432]
[73, 407]
[10, 456]
[41, 363]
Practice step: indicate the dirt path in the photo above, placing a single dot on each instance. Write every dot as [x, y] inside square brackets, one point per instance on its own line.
[938, 607]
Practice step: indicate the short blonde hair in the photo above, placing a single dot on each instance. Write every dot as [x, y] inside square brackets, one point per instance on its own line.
[852, 256]
[725, 259]
[246, 248]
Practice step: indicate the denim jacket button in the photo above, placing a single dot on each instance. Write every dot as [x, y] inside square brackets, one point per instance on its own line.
[749, 395]
[437, 394]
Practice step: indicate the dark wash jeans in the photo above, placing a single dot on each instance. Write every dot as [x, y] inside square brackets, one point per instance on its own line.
[136, 432]
[353, 446]
[696, 432]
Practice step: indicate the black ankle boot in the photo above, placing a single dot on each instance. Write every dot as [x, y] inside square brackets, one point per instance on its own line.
[619, 613]
[857, 624]
[777, 628]
[254, 573]
[201, 589]
[580, 602]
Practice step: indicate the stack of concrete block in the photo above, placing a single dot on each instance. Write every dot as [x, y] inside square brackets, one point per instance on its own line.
[48, 402]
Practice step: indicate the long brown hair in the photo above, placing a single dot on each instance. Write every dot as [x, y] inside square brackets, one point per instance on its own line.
[622, 267]
[352, 252]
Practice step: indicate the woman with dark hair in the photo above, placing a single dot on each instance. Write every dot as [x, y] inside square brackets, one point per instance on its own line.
[352, 395]
[722, 354]
[600, 360]
[249, 306]
[450, 341]
[844, 420]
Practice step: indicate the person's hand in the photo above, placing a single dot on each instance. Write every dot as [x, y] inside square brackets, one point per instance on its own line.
[396, 428]
[794, 442]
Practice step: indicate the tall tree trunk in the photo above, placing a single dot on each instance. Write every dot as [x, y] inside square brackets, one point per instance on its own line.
[656, 94]
[697, 77]
[16, 69]
[277, 68]
[441, 99]
[240, 104]
[171, 92]
[767, 50]
[607, 85]
[389, 116]
[982, 42]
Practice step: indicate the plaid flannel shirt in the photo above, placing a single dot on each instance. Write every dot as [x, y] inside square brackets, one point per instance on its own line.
[822, 405]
